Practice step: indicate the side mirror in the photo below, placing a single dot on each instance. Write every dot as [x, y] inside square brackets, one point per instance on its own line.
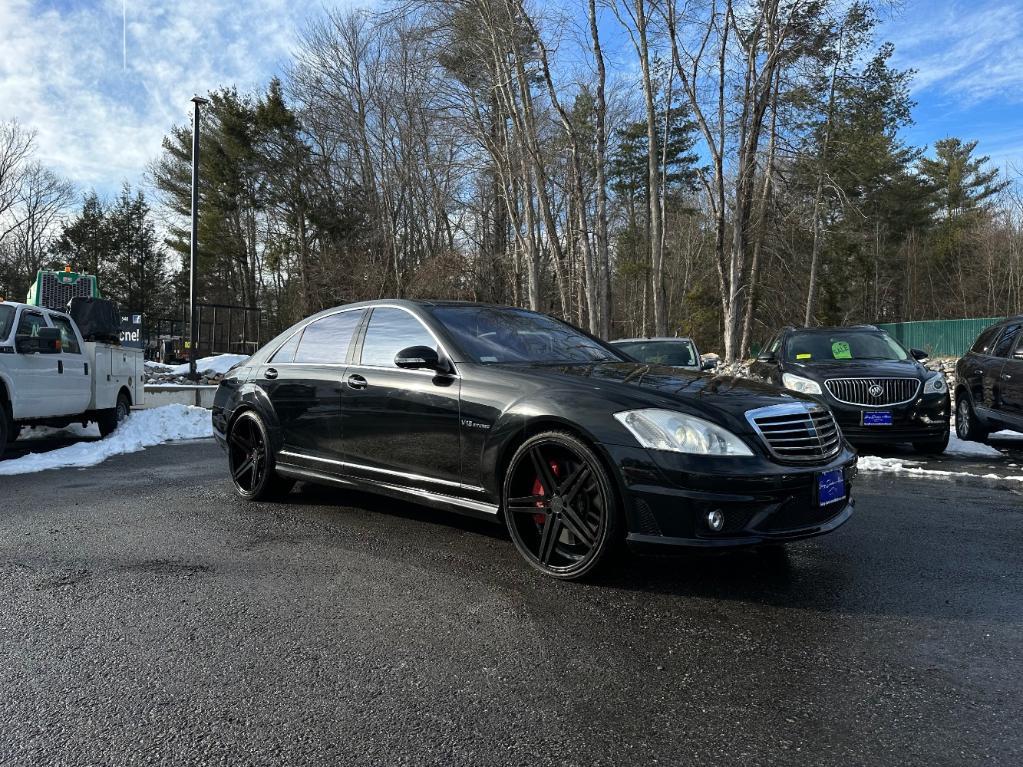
[46, 341]
[768, 357]
[417, 358]
[919, 354]
[709, 365]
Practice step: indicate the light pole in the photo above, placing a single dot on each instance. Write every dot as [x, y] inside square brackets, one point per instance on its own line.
[193, 319]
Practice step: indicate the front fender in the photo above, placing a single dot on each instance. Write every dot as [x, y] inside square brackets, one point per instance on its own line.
[234, 396]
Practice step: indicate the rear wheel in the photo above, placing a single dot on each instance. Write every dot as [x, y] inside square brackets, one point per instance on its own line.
[109, 420]
[968, 426]
[251, 460]
[6, 428]
[561, 511]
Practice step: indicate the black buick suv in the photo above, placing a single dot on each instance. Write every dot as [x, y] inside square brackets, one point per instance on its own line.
[878, 390]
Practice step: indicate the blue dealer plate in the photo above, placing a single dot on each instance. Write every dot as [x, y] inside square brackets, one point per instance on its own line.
[830, 487]
[877, 417]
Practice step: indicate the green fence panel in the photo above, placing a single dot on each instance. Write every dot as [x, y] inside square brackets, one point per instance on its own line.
[940, 338]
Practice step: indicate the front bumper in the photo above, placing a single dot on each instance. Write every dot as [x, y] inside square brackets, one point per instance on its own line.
[924, 419]
[668, 498]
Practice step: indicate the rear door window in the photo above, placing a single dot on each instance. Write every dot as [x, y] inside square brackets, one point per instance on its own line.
[326, 341]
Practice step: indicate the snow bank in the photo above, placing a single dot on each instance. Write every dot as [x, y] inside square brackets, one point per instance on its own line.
[216, 365]
[902, 466]
[959, 447]
[143, 429]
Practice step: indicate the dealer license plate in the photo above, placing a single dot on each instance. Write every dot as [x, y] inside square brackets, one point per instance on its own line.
[830, 487]
[877, 417]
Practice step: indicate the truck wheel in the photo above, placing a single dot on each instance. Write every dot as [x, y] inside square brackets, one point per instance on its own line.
[5, 429]
[109, 420]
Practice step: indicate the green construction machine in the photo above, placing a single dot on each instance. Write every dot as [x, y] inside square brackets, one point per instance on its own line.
[53, 289]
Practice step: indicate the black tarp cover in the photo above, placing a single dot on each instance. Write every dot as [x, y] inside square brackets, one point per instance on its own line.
[97, 318]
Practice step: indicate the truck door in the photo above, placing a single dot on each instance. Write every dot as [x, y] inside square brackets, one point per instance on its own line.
[34, 375]
[74, 379]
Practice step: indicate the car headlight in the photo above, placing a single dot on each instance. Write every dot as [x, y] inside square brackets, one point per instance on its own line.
[935, 384]
[800, 384]
[680, 433]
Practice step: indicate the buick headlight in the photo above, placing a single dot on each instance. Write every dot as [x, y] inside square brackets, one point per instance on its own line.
[680, 433]
[800, 384]
[935, 384]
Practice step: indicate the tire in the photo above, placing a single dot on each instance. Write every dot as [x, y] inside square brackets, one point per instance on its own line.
[250, 460]
[968, 426]
[569, 533]
[109, 420]
[933, 446]
[6, 428]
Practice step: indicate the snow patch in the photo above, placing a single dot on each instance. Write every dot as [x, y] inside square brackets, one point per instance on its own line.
[902, 466]
[217, 365]
[966, 449]
[144, 428]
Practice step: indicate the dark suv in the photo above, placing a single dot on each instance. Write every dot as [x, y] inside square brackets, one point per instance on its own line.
[878, 390]
[989, 392]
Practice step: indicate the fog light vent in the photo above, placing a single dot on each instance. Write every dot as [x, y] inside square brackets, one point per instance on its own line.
[715, 520]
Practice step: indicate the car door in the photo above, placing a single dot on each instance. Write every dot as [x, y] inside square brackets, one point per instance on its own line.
[73, 379]
[1011, 383]
[997, 378]
[303, 380]
[36, 394]
[400, 426]
[976, 365]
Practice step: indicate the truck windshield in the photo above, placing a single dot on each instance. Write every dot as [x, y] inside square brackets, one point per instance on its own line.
[6, 319]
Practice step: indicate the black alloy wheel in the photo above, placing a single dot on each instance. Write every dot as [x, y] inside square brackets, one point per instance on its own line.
[561, 511]
[250, 460]
[968, 427]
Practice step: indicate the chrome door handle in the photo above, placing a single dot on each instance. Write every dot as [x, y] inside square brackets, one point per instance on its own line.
[978, 372]
[270, 373]
[1005, 376]
[356, 381]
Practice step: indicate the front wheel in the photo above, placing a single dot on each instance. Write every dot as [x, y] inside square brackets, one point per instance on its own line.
[968, 426]
[251, 461]
[109, 420]
[560, 508]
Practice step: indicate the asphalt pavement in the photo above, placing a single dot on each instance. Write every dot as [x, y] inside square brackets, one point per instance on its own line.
[149, 617]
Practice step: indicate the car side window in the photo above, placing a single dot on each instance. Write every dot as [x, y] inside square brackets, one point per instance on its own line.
[985, 340]
[68, 339]
[391, 330]
[326, 341]
[287, 352]
[30, 323]
[1007, 340]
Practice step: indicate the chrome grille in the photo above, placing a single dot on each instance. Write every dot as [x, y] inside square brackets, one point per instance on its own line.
[799, 432]
[873, 391]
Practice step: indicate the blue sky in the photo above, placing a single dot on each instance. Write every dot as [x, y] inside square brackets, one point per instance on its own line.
[101, 81]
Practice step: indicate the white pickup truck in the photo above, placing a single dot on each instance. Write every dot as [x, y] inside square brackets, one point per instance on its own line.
[50, 376]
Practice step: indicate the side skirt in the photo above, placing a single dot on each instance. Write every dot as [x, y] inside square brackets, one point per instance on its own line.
[416, 495]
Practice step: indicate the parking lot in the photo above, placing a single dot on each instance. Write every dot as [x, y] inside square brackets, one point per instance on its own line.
[150, 618]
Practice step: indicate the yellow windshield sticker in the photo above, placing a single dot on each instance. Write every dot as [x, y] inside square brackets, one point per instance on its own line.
[804, 356]
[840, 351]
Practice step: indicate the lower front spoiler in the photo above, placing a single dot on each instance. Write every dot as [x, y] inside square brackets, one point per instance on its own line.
[642, 541]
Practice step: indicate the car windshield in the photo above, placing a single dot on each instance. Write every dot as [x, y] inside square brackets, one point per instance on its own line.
[491, 334]
[6, 318]
[841, 346]
[675, 353]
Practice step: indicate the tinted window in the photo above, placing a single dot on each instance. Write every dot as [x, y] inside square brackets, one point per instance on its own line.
[326, 340]
[6, 320]
[492, 334]
[390, 331]
[841, 346]
[68, 339]
[30, 323]
[287, 352]
[678, 353]
[985, 340]
[1007, 340]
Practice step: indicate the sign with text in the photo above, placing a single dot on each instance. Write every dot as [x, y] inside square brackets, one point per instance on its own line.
[131, 331]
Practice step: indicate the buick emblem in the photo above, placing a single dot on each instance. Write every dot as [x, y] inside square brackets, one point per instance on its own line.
[875, 391]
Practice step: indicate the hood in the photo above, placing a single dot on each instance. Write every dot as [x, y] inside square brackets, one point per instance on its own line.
[654, 384]
[819, 371]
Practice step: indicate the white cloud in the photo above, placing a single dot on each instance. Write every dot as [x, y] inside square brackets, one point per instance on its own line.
[100, 122]
[965, 51]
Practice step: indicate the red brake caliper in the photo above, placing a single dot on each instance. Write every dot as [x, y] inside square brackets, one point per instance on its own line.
[538, 490]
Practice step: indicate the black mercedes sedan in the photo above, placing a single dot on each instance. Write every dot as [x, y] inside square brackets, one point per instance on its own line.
[517, 417]
[878, 390]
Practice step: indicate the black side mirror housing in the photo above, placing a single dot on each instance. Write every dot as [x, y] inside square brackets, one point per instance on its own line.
[46, 341]
[418, 358]
[919, 354]
[708, 365]
[768, 357]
